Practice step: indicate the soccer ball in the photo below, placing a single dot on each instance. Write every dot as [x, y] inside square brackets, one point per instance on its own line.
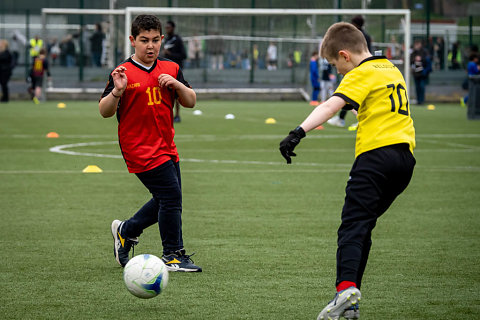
[145, 276]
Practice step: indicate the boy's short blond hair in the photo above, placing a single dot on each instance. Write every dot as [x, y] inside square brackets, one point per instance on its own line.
[342, 36]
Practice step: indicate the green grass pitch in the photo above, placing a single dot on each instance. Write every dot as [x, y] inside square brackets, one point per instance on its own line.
[264, 232]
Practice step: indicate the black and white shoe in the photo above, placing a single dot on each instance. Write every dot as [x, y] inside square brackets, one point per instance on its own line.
[341, 303]
[178, 261]
[121, 243]
[353, 312]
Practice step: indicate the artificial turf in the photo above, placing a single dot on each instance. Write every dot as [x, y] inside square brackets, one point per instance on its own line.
[263, 231]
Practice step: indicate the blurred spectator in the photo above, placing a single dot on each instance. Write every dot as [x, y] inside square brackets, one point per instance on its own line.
[233, 59]
[54, 51]
[430, 47]
[437, 56]
[96, 45]
[15, 50]
[328, 80]
[63, 52]
[39, 68]
[245, 60]
[358, 22]
[421, 68]
[290, 60]
[67, 49]
[6, 67]
[194, 49]
[173, 49]
[16, 46]
[255, 54]
[215, 49]
[314, 77]
[472, 70]
[393, 48]
[35, 45]
[297, 57]
[473, 49]
[82, 46]
[455, 56]
[272, 56]
[440, 52]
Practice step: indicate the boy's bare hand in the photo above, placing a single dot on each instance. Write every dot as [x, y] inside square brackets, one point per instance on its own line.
[120, 79]
[167, 81]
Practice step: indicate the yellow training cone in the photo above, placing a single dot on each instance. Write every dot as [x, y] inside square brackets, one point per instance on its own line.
[61, 105]
[52, 135]
[270, 121]
[431, 107]
[92, 169]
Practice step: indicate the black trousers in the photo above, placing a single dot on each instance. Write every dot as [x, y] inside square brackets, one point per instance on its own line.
[165, 207]
[4, 78]
[376, 179]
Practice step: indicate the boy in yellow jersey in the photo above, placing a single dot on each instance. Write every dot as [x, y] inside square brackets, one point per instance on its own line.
[384, 160]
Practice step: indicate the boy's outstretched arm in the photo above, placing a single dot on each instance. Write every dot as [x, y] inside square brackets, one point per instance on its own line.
[186, 96]
[318, 116]
[108, 104]
[322, 113]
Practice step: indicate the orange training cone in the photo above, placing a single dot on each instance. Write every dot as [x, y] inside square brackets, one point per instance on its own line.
[52, 135]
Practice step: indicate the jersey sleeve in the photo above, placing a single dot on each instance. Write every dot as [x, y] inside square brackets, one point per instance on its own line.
[109, 87]
[182, 79]
[353, 88]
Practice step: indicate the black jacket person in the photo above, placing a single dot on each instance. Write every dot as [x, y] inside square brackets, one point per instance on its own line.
[173, 48]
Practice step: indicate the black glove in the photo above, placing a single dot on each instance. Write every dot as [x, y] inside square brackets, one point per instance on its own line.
[290, 142]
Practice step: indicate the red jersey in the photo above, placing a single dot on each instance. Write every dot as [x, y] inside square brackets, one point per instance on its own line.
[39, 67]
[145, 115]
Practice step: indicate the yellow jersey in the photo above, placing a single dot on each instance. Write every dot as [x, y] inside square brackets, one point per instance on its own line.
[35, 46]
[377, 90]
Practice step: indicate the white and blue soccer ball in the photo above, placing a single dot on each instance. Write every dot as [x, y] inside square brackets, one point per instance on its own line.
[145, 276]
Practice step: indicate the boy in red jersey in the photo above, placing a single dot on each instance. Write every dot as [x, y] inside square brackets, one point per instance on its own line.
[142, 91]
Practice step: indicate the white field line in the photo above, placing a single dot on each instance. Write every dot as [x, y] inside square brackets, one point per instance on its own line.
[344, 171]
[325, 150]
[208, 171]
[69, 136]
[334, 167]
[452, 144]
[208, 137]
[53, 171]
[269, 150]
[61, 149]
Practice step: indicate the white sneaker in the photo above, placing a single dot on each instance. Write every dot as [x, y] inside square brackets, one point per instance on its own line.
[337, 122]
[343, 300]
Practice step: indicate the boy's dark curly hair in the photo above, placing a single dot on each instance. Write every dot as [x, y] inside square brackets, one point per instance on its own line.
[145, 22]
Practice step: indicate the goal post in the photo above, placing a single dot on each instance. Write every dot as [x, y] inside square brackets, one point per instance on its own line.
[130, 11]
[244, 35]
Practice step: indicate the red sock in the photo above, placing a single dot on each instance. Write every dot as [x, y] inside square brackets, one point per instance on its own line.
[345, 284]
